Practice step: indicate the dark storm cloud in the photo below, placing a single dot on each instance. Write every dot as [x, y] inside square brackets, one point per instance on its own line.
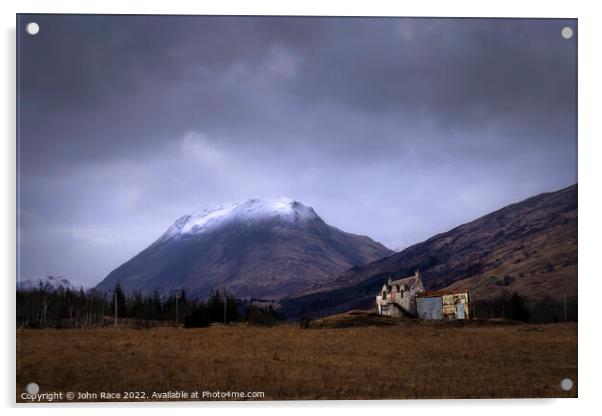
[395, 128]
[465, 68]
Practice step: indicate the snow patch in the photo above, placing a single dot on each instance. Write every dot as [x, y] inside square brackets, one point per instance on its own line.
[253, 210]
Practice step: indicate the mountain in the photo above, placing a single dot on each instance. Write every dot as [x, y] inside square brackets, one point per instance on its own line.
[261, 248]
[529, 247]
[50, 282]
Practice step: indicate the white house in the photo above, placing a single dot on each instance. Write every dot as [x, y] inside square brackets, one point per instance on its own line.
[398, 297]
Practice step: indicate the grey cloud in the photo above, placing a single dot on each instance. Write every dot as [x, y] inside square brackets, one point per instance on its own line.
[395, 128]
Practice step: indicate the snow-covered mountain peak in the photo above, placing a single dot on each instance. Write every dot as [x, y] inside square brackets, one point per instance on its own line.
[252, 210]
[48, 282]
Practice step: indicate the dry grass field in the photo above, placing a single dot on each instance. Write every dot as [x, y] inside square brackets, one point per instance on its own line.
[404, 360]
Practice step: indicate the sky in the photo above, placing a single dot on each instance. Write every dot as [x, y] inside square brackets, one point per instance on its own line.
[395, 128]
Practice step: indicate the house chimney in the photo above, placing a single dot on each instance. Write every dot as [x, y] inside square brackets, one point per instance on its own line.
[418, 280]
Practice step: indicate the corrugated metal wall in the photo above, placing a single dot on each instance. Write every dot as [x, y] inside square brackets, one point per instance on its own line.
[430, 308]
[450, 308]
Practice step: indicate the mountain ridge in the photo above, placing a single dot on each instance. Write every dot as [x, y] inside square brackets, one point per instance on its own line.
[47, 282]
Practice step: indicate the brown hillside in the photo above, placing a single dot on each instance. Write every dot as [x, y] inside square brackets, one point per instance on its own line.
[529, 247]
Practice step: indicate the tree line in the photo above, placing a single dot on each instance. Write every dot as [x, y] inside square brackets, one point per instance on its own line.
[520, 308]
[47, 307]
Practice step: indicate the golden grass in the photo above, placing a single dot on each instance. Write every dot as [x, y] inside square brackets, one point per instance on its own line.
[285, 362]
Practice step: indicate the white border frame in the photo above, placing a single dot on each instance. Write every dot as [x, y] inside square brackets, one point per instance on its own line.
[590, 201]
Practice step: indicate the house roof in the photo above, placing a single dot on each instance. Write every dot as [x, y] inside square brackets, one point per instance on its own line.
[413, 283]
[443, 292]
[405, 281]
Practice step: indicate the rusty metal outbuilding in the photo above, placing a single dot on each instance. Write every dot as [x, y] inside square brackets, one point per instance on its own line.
[443, 304]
